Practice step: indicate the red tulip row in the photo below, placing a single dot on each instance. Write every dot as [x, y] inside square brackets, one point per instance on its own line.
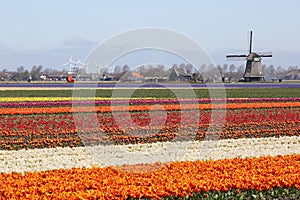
[44, 124]
[70, 136]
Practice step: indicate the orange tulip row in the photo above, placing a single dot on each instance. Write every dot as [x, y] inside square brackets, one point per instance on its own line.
[173, 179]
[53, 110]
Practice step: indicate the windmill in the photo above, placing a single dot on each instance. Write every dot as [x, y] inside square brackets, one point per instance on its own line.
[253, 71]
[86, 65]
[72, 65]
[73, 69]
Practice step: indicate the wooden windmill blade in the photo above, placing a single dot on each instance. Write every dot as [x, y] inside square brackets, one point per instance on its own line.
[265, 54]
[236, 56]
[250, 43]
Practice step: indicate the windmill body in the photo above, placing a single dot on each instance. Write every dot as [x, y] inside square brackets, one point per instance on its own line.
[253, 71]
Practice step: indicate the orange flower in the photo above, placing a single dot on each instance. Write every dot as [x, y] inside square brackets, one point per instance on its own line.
[176, 179]
[52, 110]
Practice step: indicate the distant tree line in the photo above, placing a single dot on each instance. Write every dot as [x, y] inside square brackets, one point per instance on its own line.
[232, 72]
[22, 74]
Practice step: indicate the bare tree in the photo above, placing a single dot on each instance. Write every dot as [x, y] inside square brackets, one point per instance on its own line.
[220, 70]
[240, 72]
[290, 68]
[125, 68]
[36, 72]
[175, 66]
[21, 74]
[232, 68]
[117, 69]
[279, 71]
[142, 69]
[21, 69]
[182, 66]
[189, 68]
[225, 68]
[272, 71]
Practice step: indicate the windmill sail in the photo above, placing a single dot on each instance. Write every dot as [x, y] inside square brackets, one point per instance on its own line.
[250, 43]
[265, 54]
[253, 71]
[236, 56]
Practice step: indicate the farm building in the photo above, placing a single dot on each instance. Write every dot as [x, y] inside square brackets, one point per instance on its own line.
[157, 75]
[293, 75]
[179, 74]
[131, 77]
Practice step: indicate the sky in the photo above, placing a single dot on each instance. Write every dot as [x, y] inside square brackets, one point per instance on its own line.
[48, 32]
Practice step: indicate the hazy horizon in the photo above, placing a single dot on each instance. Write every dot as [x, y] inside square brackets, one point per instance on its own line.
[48, 33]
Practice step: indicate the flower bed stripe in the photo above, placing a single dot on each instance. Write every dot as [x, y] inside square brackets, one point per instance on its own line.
[96, 101]
[42, 131]
[57, 158]
[13, 124]
[175, 179]
[54, 99]
[91, 137]
[52, 110]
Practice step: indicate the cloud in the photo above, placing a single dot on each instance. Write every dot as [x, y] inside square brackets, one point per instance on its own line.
[78, 42]
[49, 58]
[80, 48]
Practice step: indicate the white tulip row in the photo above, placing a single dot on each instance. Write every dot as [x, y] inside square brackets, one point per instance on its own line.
[101, 156]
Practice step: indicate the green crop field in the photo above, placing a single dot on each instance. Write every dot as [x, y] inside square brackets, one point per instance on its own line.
[159, 93]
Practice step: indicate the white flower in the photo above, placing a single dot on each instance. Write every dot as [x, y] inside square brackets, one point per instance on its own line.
[56, 158]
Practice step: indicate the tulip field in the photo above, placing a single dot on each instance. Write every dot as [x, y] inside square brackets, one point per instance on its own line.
[153, 146]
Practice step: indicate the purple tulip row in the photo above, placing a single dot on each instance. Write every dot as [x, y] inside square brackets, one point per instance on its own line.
[139, 101]
[153, 85]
